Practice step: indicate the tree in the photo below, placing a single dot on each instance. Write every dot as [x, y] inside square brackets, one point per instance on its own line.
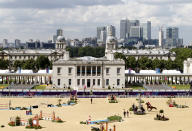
[145, 63]
[42, 62]
[4, 64]
[29, 64]
[17, 64]
[131, 62]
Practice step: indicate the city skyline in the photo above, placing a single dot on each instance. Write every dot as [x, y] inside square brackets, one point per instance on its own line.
[40, 19]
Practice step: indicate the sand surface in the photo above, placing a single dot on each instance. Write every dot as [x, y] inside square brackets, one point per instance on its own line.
[180, 119]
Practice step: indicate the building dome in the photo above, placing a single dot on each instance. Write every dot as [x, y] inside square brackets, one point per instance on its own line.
[60, 38]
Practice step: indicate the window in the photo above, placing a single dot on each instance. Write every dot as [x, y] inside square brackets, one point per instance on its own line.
[78, 82]
[98, 82]
[69, 81]
[58, 82]
[107, 71]
[83, 82]
[94, 70]
[118, 82]
[78, 70]
[93, 81]
[98, 70]
[83, 70]
[88, 70]
[58, 70]
[107, 82]
[118, 70]
[69, 70]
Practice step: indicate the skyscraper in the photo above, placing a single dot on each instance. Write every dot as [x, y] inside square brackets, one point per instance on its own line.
[5, 43]
[134, 22]
[101, 35]
[161, 37]
[54, 38]
[128, 29]
[172, 38]
[123, 29]
[111, 30]
[146, 30]
[17, 43]
[59, 32]
[99, 29]
[136, 32]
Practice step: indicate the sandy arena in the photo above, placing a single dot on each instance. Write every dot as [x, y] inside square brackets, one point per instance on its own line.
[180, 119]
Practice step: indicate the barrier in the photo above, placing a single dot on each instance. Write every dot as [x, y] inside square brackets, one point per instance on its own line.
[47, 116]
[24, 122]
[4, 106]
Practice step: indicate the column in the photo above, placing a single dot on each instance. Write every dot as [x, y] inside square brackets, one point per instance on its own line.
[85, 70]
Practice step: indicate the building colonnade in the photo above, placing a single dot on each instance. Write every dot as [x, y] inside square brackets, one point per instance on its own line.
[158, 79]
[15, 78]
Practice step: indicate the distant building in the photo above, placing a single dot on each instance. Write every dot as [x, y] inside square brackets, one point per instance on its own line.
[131, 29]
[54, 38]
[59, 32]
[111, 30]
[35, 51]
[172, 38]
[123, 29]
[146, 30]
[99, 30]
[161, 37]
[101, 35]
[161, 54]
[33, 44]
[136, 32]
[5, 43]
[134, 22]
[17, 43]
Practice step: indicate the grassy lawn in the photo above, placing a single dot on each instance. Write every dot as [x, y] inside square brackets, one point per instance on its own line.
[3, 86]
[180, 87]
[40, 87]
[137, 88]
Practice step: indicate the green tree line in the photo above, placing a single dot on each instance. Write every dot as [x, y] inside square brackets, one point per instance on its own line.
[41, 62]
[146, 63]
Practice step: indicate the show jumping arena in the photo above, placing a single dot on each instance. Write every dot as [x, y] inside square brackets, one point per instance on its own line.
[100, 109]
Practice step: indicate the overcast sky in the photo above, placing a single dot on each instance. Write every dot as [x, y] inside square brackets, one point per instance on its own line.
[39, 19]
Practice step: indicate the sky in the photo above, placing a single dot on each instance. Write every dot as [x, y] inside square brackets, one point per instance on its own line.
[39, 19]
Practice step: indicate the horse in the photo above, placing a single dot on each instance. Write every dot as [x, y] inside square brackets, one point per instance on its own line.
[150, 107]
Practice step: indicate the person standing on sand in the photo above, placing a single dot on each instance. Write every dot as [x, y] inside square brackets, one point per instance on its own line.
[124, 113]
[91, 100]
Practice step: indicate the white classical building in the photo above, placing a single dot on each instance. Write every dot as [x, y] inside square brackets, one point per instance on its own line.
[89, 72]
[187, 66]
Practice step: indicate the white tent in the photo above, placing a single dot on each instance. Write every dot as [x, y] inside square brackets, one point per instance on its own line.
[44, 71]
[147, 72]
[171, 72]
[24, 71]
[4, 71]
[129, 72]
